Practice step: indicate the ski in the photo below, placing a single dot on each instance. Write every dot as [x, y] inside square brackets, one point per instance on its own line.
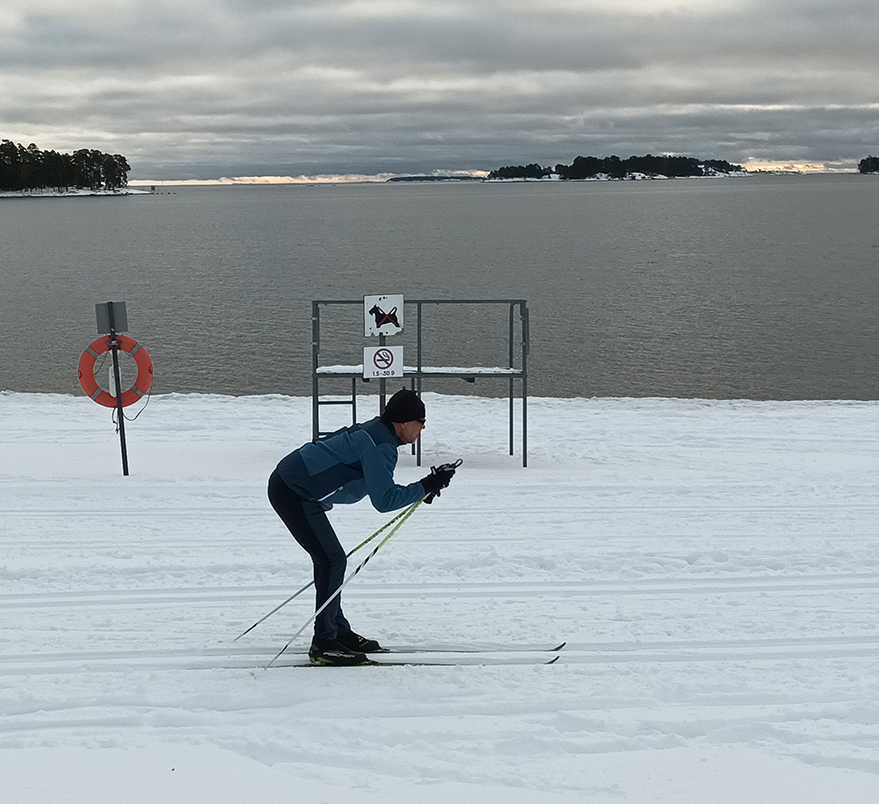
[466, 649]
[472, 662]
[506, 648]
[443, 655]
[449, 661]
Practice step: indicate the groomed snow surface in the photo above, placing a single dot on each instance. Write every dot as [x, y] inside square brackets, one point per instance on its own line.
[713, 567]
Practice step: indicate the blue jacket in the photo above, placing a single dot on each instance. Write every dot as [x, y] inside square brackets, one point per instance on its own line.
[348, 465]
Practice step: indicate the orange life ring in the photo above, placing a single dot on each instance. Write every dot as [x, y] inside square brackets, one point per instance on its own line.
[87, 371]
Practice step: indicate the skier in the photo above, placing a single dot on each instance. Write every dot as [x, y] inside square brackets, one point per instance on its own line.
[345, 467]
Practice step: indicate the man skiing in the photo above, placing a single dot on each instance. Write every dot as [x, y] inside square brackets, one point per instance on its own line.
[345, 467]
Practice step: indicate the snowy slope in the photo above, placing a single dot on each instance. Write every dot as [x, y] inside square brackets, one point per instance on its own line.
[713, 566]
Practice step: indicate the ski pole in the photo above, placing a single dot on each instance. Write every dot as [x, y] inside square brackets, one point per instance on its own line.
[403, 517]
[311, 583]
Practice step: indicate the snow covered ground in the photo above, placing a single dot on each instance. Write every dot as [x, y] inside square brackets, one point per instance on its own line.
[713, 567]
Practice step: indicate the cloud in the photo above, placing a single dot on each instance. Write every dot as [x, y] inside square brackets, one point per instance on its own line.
[201, 89]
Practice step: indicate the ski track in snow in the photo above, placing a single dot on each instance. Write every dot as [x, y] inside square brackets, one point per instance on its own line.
[713, 566]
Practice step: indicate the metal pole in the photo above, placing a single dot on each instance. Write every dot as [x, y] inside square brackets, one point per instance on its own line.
[315, 389]
[114, 348]
[526, 345]
[510, 364]
[353, 400]
[417, 444]
[382, 383]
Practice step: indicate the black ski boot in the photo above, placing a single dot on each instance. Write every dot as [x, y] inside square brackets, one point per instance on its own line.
[359, 644]
[331, 651]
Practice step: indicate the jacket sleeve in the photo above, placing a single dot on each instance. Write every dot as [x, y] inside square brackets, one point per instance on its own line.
[378, 473]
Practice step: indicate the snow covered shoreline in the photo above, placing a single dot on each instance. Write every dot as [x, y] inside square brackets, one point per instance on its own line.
[714, 174]
[81, 193]
[713, 566]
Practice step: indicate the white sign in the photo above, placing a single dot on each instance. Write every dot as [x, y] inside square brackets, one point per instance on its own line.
[382, 315]
[382, 361]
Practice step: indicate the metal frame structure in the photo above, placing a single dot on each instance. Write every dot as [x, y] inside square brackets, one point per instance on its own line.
[517, 348]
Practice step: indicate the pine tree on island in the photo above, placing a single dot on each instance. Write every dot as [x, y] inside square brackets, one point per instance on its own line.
[30, 169]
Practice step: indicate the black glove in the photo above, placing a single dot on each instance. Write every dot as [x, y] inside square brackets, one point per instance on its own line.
[438, 479]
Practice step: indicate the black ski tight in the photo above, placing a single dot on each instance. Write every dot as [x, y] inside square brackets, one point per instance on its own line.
[308, 523]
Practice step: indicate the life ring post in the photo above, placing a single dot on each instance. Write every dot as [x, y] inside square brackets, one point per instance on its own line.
[114, 348]
[112, 322]
[112, 315]
[120, 416]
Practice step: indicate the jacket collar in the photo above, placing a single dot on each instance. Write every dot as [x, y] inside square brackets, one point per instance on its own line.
[390, 426]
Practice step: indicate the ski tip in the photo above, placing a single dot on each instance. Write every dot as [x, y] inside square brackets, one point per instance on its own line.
[553, 660]
[558, 647]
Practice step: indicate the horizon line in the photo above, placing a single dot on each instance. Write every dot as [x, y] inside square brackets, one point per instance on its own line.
[323, 178]
[752, 166]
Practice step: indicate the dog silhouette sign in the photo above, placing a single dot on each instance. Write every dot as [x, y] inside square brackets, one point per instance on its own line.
[382, 315]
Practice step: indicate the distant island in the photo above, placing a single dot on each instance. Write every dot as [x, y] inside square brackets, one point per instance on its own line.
[869, 165]
[435, 178]
[27, 170]
[612, 167]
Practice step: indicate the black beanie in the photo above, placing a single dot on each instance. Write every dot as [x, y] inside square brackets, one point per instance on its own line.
[403, 406]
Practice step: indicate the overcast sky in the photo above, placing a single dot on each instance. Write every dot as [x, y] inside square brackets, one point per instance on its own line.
[224, 88]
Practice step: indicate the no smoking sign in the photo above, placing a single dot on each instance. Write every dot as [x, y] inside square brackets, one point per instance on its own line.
[382, 361]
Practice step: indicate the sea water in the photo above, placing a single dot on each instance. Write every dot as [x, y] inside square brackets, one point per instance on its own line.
[763, 287]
